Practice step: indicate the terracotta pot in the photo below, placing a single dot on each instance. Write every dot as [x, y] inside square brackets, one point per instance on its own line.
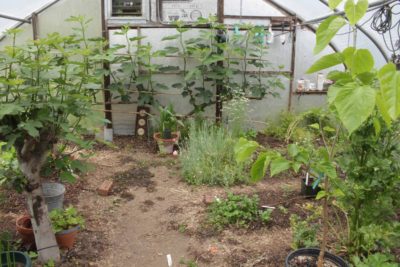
[166, 146]
[66, 239]
[24, 229]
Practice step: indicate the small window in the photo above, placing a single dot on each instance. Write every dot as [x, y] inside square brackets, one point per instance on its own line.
[127, 8]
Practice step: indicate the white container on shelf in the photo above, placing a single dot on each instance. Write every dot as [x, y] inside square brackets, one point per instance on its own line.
[320, 81]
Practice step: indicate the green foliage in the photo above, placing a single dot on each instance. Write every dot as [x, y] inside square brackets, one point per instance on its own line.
[366, 102]
[168, 121]
[47, 88]
[200, 71]
[65, 219]
[373, 260]
[308, 156]
[304, 232]
[370, 159]
[10, 174]
[327, 30]
[280, 128]
[235, 112]
[7, 245]
[354, 12]
[188, 263]
[208, 157]
[237, 210]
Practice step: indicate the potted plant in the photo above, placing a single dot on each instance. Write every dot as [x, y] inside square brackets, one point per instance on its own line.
[14, 258]
[66, 224]
[167, 135]
[309, 257]
[310, 186]
[24, 228]
[9, 257]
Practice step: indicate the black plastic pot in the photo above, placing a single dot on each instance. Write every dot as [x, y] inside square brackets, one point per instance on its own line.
[314, 252]
[16, 257]
[308, 190]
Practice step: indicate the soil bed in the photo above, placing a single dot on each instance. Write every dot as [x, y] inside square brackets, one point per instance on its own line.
[152, 213]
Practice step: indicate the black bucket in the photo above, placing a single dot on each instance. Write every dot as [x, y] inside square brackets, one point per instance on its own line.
[308, 190]
[314, 252]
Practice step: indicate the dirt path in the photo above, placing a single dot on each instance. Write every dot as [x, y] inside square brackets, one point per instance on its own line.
[153, 213]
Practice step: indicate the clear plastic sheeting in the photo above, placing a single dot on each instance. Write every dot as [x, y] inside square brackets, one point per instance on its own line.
[20, 9]
[385, 44]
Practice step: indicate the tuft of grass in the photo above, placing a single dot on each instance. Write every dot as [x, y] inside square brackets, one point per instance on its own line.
[208, 157]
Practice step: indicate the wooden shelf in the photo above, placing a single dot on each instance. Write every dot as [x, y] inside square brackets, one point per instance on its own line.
[313, 92]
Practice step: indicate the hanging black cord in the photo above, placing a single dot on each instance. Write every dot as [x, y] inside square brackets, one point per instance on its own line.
[382, 20]
[382, 23]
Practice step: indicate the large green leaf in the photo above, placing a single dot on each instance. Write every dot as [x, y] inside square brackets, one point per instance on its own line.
[355, 12]
[9, 109]
[389, 79]
[327, 30]
[354, 103]
[213, 58]
[326, 62]
[171, 37]
[244, 149]
[363, 61]
[279, 165]
[259, 167]
[334, 3]
[348, 55]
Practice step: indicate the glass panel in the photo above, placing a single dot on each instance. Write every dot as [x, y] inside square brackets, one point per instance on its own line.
[127, 8]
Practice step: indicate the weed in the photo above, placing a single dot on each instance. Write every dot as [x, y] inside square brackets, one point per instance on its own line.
[188, 263]
[283, 209]
[377, 259]
[237, 210]
[182, 228]
[304, 232]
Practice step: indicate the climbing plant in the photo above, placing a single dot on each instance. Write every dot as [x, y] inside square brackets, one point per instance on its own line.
[200, 51]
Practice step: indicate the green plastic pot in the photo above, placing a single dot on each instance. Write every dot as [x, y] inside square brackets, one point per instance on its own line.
[16, 257]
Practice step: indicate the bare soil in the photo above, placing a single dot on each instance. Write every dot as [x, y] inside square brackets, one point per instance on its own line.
[153, 213]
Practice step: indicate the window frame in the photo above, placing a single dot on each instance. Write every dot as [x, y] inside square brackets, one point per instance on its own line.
[120, 20]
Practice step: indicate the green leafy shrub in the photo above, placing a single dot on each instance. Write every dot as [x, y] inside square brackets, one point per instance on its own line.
[65, 219]
[208, 157]
[304, 232]
[375, 260]
[10, 174]
[238, 210]
[279, 128]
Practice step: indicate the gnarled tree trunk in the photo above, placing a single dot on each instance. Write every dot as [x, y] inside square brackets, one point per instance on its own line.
[32, 155]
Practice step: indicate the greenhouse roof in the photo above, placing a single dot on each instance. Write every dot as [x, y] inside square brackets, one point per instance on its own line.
[21, 9]
[382, 45]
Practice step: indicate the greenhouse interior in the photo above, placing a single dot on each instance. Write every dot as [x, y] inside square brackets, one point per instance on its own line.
[215, 133]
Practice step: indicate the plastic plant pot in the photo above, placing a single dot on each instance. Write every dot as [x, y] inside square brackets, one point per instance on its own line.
[66, 238]
[313, 253]
[308, 190]
[53, 195]
[16, 258]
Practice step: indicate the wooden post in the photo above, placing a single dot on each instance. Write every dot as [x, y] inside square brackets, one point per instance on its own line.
[106, 66]
[219, 86]
[293, 29]
[35, 29]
